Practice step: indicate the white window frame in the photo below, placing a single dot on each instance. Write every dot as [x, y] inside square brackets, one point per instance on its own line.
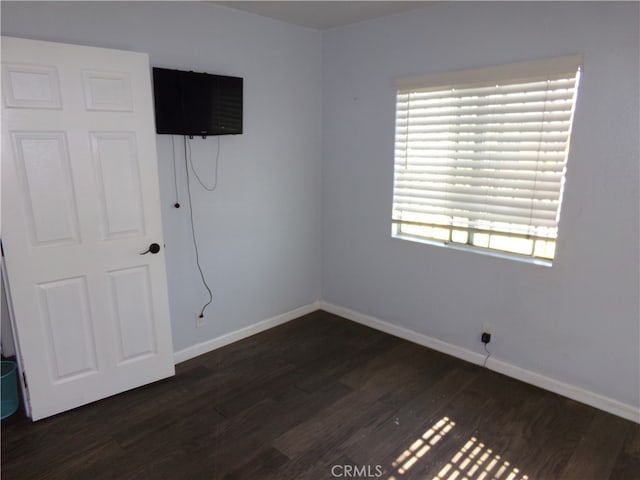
[441, 195]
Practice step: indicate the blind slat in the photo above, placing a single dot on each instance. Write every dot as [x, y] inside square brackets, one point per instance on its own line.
[528, 213]
[423, 188]
[494, 109]
[487, 167]
[478, 197]
[502, 87]
[495, 175]
[494, 184]
[541, 136]
[489, 118]
[489, 147]
[551, 127]
[423, 155]
[453, 101]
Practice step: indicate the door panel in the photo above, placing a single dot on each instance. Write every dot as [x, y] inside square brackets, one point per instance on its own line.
[131, 294]
[30, 86]
[117, 174]
[107, 91]
[66, 318]
[49, 203]
[80, 202]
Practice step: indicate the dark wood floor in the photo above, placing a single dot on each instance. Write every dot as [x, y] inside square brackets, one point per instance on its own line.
[322, 398]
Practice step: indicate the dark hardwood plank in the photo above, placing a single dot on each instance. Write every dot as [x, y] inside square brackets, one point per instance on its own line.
[595, 454]
[243, 435]
[627, 464]
[200, 409]
[320, 391]
[66, 464]
[266, 463]
[338, 362]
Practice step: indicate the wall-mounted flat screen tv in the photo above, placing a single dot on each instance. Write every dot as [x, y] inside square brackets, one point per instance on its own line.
[197, 104]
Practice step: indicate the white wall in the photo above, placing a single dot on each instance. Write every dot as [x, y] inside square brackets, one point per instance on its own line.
[259, 231]
[576, 322]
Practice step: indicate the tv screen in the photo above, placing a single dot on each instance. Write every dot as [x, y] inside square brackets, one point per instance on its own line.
[190, 103]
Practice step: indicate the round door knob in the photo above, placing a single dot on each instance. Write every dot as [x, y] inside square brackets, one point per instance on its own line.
[153, 248]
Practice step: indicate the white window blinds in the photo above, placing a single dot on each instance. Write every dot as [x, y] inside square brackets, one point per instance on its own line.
[480, 156]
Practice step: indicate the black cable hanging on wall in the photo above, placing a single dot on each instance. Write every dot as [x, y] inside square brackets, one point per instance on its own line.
[195, 173]
[193, 230]
[175, 172]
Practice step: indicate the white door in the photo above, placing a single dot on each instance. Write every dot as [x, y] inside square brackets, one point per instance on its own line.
[80, 202]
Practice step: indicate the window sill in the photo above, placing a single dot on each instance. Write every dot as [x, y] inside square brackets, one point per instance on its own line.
[480, 250]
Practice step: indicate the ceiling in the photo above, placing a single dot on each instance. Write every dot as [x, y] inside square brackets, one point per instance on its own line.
[323, 15]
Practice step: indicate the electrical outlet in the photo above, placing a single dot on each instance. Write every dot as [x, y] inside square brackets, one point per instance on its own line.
[487, 328]
[201, 321]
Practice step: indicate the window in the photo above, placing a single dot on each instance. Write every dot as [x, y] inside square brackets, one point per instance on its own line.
[481, 155]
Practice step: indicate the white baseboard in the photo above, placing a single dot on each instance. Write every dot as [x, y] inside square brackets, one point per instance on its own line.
[405, 333]
[218, 342]
[629, 412]
[573, 392]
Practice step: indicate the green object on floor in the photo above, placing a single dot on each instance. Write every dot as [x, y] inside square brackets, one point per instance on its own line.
[8, 390]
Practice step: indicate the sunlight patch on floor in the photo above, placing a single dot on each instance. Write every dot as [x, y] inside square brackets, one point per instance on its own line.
[422, 445]
[474, 461]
